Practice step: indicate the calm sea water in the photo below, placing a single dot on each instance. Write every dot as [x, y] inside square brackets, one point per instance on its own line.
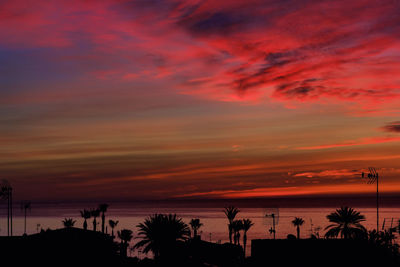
[214, 221]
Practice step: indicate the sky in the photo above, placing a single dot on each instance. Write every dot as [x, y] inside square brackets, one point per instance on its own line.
[152, 99]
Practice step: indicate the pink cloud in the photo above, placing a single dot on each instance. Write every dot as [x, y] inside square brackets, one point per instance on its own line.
[229, 51]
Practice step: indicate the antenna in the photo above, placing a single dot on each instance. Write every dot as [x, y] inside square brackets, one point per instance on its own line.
[271, 219]
[311, 227]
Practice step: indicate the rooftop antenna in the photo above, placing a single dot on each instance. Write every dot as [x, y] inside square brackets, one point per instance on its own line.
[271, 215]
[6, 193]
[373, 177]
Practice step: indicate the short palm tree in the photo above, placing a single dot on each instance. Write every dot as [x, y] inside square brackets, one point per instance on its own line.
[126, 236]
[95, 213]
[230, 213]
[25, 206]
[85, 214]
[381, 238]
[247, 224]
[160, 232]
[68, 222]
[195, 224]
[346, 222]
[112, 224]
[297, 222]
[103, 209]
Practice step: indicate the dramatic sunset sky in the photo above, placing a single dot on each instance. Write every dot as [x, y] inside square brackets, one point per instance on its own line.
[152, 99]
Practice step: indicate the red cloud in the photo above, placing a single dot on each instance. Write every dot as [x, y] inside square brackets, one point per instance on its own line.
[230, 51]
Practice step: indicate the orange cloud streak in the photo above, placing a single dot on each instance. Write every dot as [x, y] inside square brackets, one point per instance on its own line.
[363, 141]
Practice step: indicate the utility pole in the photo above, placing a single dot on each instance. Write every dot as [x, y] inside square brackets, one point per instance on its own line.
[6, 193]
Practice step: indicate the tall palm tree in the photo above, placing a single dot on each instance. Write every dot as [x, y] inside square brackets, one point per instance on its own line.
[126, 236]
[195, 224]
[112, 224]
[346, 222]
[247, 224]
[160, 232]
[25, 206]
[297, 222]
[85, 214]
[230, 213]
[237, 226]
[95, 213]
[68, 222]
[103, 209]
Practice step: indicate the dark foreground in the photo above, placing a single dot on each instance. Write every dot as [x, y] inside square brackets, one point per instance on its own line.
[77, 247]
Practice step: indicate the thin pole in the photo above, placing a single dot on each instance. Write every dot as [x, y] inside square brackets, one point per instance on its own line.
[11, 207]
[377, 202]
[8, 212]
[25, 220]
[273, 222]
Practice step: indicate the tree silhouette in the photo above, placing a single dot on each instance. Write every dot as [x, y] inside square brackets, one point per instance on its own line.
[95, 213]
[68, 222]
[160, 232]
[103, 209]
[230, 213]
[237, 226]
[247, 224]
[195, 224]
[25, 206]
[85, 214]
[381, 238]
[126, 236]
[297, 222]
[346, 222]
[112, 224]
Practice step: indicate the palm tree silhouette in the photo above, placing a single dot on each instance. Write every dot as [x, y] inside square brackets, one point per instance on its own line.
[230, 213]
[237, 226]
[195, 224]
[160, 232]
[346, 222]
[25, 205]
[68, 222]
[126, 236]
[247, 224]
[381, 238]
[95, 213]
[103, 209]
[85, 214]
[297, 222]
[112, 224]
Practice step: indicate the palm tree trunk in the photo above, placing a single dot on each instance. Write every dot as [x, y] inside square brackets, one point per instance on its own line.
[94, 225]
[85, 225]
[103, 218]
[298, 232]
[230, 233]
[244, 243]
